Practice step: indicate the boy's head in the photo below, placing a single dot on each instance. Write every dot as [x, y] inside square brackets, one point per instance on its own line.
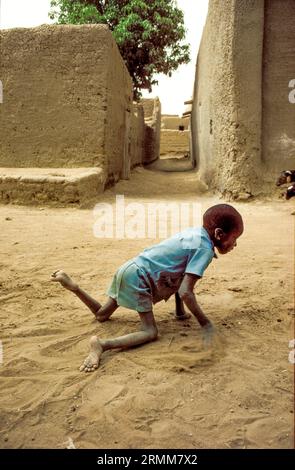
[224, 225]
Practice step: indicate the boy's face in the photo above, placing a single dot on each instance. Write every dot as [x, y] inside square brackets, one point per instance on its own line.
[226, 242]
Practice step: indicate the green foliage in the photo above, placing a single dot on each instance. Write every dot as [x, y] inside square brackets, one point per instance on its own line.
[149, 34]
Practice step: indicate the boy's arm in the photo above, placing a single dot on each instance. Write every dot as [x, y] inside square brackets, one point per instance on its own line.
[186, 293]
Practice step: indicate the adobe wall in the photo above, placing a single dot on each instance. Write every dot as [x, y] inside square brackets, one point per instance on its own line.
[174, 142]
[66, 95]
[152, 117]
[137, 135]
[226, 114]
[173, 122]
[148, 107]
[119, 92]
[278, 119]
[243, 131]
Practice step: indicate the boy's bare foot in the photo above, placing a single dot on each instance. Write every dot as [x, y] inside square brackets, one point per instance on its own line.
[182, 316]
[208, 335]
[92, 360]
[64, 279]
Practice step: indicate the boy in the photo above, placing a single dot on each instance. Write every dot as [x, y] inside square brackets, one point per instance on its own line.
[170, 267]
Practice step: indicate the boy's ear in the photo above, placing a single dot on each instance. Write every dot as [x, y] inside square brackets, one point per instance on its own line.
[218, 233]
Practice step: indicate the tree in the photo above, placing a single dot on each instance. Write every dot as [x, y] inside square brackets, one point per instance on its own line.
[149, 34]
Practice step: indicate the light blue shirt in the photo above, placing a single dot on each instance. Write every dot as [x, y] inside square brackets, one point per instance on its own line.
[165, 264]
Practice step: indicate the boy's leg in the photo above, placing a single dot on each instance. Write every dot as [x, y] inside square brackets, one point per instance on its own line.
[148, 333]
[180, 313]
[101, 313]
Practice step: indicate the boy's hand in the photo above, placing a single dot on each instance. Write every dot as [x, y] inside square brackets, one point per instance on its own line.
[208, 334]
[64, 279]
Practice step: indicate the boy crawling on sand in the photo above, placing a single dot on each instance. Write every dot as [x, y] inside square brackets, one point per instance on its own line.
[170, 267]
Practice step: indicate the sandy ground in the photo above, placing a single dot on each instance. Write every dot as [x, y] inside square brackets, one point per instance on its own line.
[170, 393]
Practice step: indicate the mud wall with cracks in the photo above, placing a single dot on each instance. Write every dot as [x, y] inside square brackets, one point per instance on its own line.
[241, 117]
[174, 142]
[173, 122]
[278, 117]
[137, 135]
[66, 95]
[152, 118]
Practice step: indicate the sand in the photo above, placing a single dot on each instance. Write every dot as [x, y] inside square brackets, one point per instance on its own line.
[170, 393]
